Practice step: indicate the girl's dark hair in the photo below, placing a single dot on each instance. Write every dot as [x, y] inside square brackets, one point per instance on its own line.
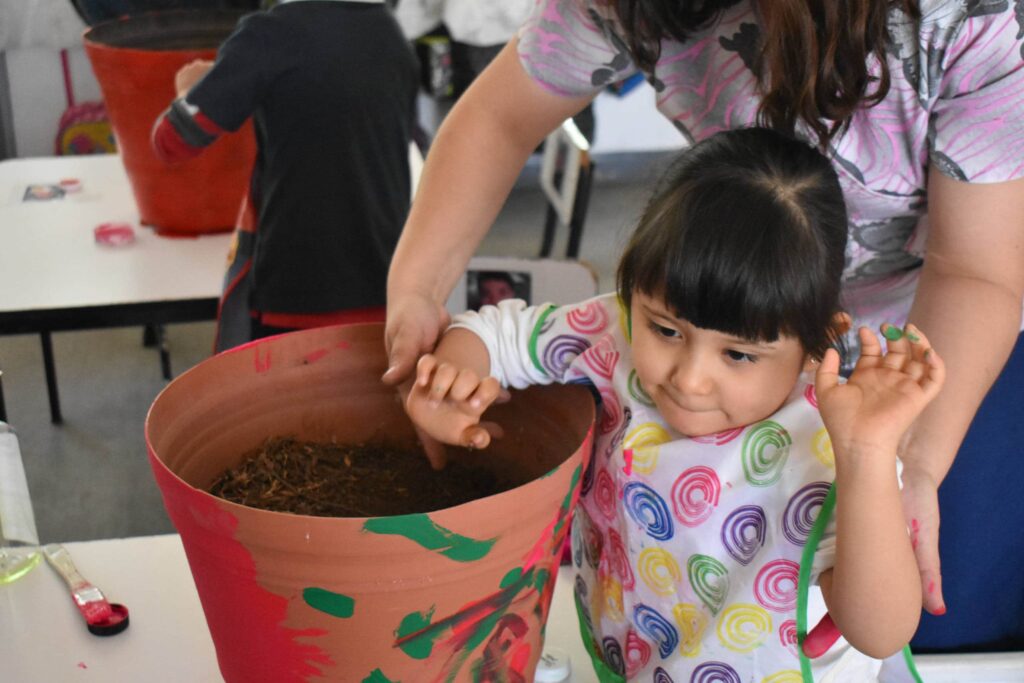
[745, 234]
[812, 64]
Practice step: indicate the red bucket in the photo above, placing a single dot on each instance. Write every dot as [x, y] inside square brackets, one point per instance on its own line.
[135, 59]
[456, 594]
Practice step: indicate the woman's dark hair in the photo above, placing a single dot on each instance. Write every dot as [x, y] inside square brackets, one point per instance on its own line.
[812, 64]
[745, 234]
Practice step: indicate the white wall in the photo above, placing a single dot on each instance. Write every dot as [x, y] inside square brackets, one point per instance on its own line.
[37, 94]
[624, 124]
[632, 123]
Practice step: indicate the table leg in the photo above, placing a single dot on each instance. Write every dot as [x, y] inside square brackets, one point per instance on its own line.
[51, 378]
[165, 355]
[3, 408]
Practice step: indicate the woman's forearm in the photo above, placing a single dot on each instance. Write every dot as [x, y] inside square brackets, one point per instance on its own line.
[974, 325]
[968, 302]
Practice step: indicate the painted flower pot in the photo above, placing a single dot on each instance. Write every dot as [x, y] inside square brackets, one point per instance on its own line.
[449, 595]
[135, 59]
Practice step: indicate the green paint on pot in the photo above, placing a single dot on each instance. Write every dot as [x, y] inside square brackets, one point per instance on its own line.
[540, 579]
[511, 577]
[417, 648]
[484, 629]
[567, 501]
[377, 676]
[422, 530]
[335, 604]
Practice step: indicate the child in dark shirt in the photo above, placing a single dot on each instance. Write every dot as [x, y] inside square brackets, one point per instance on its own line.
[331, 86]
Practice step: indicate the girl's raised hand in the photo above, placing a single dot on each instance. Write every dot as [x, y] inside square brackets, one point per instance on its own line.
[885, 393]
[446, 403]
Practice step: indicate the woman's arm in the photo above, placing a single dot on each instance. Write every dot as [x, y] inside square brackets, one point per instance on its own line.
[472, 165]
[873, 590]
[969, 299]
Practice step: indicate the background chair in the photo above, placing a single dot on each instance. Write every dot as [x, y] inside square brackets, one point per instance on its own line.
[566, 174]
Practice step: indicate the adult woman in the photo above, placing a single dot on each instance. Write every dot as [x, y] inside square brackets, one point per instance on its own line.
[919, 109]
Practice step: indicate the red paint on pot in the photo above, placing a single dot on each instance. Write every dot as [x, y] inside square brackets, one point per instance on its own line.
[272, 653]
[260, 363]
[135, 59]
[418, 612]
[316, 355]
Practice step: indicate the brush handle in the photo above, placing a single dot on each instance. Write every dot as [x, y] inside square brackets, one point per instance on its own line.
[88, 598]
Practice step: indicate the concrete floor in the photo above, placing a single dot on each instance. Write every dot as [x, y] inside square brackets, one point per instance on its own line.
[89, 477]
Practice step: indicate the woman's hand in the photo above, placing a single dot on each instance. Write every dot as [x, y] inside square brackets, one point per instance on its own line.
[445, 402]
[920, 497]
[414, 325]
[884, 395]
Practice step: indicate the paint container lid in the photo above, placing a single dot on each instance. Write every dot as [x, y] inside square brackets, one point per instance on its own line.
[553, 667]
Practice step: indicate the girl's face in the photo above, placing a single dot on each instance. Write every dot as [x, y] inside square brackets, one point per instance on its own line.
[705, 381]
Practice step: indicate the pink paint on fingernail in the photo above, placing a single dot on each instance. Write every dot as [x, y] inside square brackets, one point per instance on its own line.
[940, 611]
[628, 457]
[314, 356]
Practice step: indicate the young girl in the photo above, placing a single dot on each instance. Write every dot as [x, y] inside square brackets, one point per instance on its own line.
[716, 449]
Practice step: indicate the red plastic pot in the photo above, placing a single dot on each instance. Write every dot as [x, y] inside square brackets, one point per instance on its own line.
[135, 59]
[450, 595]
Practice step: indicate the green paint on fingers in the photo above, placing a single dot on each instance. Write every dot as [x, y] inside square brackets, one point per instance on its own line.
[335, 604]
[422, 530]
[892, 333]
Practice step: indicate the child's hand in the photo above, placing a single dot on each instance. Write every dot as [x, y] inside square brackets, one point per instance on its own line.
[885, 393]
[446, 403]
[190, 74]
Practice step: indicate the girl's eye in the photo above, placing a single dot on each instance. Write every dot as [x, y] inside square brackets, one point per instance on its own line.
[741, 357]
[666, 332]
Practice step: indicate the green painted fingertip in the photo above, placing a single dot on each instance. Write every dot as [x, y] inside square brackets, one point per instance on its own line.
[892, 333]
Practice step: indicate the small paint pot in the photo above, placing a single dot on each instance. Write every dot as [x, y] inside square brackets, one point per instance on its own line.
[553, 667]
[114, 234]
[70, 185]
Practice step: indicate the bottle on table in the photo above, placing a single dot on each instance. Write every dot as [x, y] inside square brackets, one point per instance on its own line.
[19, 541]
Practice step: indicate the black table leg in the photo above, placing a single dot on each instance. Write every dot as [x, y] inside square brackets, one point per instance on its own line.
[3, 408]
[51, 378]
[165, 355]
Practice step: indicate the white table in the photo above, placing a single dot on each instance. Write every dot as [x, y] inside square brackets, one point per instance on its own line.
[54, 276]
[43, 639]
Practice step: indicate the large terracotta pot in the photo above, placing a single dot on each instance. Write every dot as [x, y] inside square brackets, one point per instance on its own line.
[450, 595]
[135, 59]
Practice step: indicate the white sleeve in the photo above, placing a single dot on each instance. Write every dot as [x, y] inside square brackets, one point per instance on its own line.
[506, 331]
[825, 555]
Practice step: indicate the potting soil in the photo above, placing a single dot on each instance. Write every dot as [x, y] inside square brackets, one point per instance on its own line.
[363, 480]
